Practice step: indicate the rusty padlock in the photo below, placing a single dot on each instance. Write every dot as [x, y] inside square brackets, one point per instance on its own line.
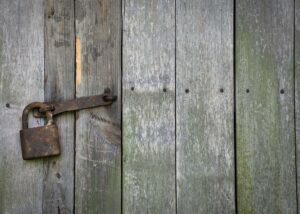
[39, 142]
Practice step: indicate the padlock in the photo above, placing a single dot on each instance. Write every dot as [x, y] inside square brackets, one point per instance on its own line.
[39, 142]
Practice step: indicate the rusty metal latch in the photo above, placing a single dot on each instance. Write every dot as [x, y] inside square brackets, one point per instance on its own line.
[40, 142]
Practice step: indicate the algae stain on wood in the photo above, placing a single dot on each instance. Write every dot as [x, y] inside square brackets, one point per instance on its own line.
[265, 136]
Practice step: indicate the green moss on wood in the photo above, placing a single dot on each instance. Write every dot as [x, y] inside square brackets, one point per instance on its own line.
[261, 133]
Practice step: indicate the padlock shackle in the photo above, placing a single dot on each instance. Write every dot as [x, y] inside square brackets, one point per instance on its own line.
[30, 107]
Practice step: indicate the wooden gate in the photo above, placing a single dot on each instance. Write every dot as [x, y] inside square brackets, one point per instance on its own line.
[208, 110]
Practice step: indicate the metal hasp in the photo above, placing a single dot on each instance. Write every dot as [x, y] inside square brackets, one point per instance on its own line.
[41, 142]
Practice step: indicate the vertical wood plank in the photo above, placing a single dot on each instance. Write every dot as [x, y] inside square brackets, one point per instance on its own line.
[149, 107]
[265, 107]
[204, 106]
[21, 82]
[297, 90]
[98, 132]
[59, 85]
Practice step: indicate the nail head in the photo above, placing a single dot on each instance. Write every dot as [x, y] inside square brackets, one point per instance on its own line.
[58, 175]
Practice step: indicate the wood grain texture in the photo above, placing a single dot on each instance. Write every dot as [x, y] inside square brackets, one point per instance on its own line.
[297, 90]
[149, 107]
[58, 192]
[204, 107]
[265, 107]
[205, 137]
[21, 82]
[98, 132]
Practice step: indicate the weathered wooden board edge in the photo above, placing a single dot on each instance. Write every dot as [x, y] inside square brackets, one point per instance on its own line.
[297, 92]
[21, 82]
[265, 107]
[98, 131]
[205, 107]
[149, 107]
[58, 185]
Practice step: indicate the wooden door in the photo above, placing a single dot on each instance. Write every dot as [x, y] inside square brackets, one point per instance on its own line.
[59, 50]
[207, 115]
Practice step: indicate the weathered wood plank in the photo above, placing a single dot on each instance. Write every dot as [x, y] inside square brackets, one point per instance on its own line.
[265, 107]
[297, 90]
[149, 107]
[21, 82]
[204, 107]
[59, 85]
[98, 132]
